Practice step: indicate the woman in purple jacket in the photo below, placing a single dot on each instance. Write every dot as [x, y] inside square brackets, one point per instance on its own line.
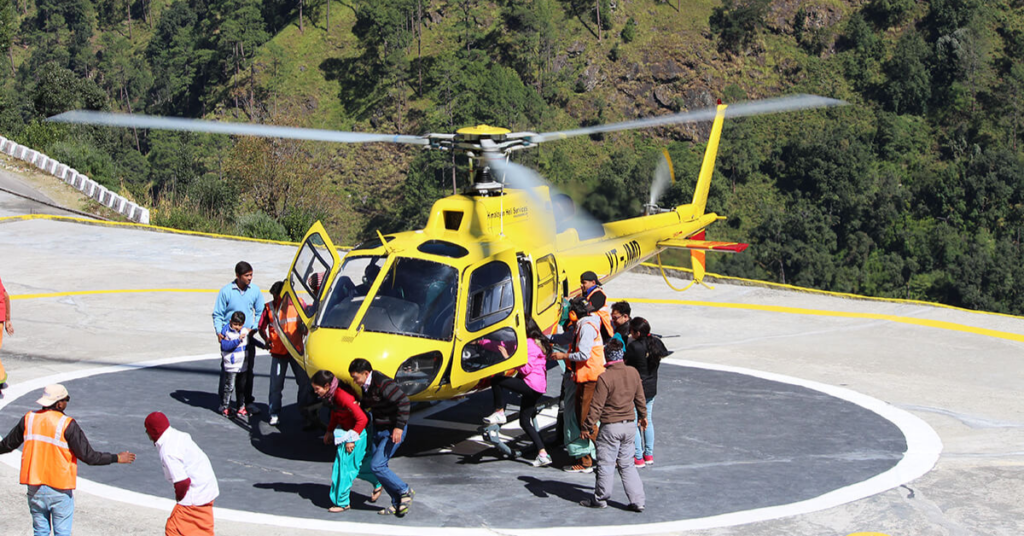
[531, 381]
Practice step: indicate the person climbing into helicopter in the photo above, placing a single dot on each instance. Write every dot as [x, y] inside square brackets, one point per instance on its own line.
[584, 364]
[595, 296]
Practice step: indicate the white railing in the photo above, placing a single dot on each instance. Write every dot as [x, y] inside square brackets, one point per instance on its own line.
[80, 182]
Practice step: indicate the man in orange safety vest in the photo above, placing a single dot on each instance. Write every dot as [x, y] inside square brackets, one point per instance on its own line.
[49, 462]
[282, 313]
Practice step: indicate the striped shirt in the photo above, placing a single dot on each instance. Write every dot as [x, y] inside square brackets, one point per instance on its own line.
[387, 401]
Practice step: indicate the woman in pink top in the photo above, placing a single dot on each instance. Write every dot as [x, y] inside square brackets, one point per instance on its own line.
[531, 381]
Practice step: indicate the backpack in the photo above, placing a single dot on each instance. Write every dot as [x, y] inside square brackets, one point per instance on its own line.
[656, 349]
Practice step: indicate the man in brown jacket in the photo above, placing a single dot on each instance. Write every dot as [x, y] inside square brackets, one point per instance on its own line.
[619, 391]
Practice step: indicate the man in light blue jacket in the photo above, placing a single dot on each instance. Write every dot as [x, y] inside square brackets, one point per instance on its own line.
[241, 295]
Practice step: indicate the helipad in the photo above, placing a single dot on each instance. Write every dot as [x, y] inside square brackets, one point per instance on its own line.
[785, 412]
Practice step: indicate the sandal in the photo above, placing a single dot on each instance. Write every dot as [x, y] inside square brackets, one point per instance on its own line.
[376, 493]
[337, 509]
[389, 511]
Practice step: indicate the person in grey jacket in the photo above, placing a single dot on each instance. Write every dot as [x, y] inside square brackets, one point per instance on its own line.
[618, 393]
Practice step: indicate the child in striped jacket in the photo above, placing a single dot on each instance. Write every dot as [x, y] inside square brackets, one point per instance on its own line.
[232, 365]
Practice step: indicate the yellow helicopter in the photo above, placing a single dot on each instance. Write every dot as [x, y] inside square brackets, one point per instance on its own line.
[426, 306]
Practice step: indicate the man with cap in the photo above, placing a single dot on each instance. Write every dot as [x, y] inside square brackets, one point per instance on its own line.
[618, 393]
[596, 298]
[189, 470]
[49, 463]
[584, 363]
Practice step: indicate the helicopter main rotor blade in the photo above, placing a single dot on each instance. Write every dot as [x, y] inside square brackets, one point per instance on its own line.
[767, 106]
[85, 117]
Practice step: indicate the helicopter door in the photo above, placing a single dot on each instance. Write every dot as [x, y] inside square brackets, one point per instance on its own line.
[305, 287]
[491, 327]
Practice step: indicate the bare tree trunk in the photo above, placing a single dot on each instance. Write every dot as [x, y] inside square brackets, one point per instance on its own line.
[10, 54]
[419, 41]
[599, 32]
[301, 28]
[128, 102]
[128, 8]
[328, 17]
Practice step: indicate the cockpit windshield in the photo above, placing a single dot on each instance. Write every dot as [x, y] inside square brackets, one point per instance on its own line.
[416, 297]
[346, 297]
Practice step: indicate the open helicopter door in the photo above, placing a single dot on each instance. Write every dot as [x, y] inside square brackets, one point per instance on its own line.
[491, 327]
[307, 283]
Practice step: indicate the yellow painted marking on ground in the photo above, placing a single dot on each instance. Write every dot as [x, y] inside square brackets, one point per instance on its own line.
[951, 326]
[759, 283]
[86, 221]
[117, 291]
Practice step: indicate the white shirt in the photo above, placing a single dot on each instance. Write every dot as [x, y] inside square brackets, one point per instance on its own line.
[182, 459]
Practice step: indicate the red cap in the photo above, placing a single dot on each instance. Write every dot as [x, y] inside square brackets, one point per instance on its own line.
[156, 424]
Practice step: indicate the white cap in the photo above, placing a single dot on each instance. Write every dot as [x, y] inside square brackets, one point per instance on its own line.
[52, 394]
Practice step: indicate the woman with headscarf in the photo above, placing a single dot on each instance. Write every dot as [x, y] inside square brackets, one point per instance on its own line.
[347, 430]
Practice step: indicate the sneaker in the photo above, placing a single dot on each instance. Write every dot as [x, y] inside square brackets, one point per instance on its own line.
[638, 508]
[639, 462]
[242, 412]
[593, 503]
[496, 418]
[225, 412]
[274, 420]
[580, 468]
[648, 459]
[542, 460]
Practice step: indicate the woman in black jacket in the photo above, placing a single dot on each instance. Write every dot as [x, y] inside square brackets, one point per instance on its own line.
[644, 353]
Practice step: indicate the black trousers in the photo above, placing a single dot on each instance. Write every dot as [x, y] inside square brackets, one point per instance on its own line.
[250, 366]
[527, 406]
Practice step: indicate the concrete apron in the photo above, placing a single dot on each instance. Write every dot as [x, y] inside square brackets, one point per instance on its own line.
[960, 382]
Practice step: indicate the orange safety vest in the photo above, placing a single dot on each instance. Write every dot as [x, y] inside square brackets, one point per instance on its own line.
[288, 317]
[46, 458]
[606, 315]
[589, 370]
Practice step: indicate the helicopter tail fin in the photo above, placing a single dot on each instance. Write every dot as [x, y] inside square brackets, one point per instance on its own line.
[700, 194]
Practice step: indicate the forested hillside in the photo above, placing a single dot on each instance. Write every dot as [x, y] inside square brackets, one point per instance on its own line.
[916, 190]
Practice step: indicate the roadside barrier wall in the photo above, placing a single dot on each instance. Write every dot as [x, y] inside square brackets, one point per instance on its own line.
[77, 180]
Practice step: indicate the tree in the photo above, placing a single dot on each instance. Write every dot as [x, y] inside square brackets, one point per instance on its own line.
[8, 28]
[531, 41]
[738, 23]
[177, 60]
[909, 87]
[889, 13]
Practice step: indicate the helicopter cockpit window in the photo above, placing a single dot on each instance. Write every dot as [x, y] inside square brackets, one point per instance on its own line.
[489, 350]
[443, 249]
[490, 296]
[372, 243]
[309, 271]
[416, 297]
[351, 286]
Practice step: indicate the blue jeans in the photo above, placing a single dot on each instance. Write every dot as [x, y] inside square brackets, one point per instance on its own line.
[278, 372]
[47, 504]
[383, 450]
[644, 441]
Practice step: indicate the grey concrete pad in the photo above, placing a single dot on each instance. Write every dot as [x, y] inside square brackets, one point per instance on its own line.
[726, 442]
[961, 373]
